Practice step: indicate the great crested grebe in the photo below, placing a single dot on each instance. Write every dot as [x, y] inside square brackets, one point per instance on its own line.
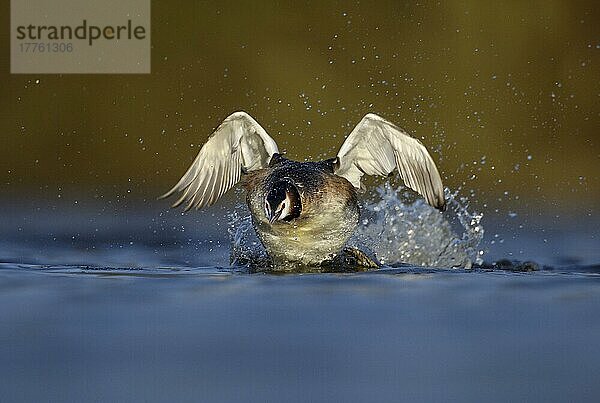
[305, 212]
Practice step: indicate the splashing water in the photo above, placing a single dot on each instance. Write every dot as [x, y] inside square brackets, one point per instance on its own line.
[246, 248]
[399, 230]
[395, 227]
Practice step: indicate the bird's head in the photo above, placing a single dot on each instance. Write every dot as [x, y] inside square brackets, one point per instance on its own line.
[283, 202]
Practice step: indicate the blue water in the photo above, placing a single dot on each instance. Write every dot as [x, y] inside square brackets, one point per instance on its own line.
[132, 303]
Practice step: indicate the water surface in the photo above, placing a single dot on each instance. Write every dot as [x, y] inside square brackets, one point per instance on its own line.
[140, 305]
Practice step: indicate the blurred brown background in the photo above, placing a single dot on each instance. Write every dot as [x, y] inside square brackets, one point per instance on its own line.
[505, 94]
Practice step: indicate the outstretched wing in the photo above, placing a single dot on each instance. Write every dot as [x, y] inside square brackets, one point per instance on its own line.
[239, 144]
[377, 147]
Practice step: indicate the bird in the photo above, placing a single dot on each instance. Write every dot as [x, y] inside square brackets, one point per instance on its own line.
[305, 212]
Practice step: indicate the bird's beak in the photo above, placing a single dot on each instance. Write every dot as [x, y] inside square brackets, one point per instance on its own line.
[275, 217]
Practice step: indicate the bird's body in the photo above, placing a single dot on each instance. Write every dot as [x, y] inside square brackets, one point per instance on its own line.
[328, 218]
[305, 212]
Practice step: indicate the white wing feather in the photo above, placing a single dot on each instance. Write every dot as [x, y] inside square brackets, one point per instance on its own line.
[377, 147]
[238, 144]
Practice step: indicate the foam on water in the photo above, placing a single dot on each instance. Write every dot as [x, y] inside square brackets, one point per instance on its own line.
[394, 226]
